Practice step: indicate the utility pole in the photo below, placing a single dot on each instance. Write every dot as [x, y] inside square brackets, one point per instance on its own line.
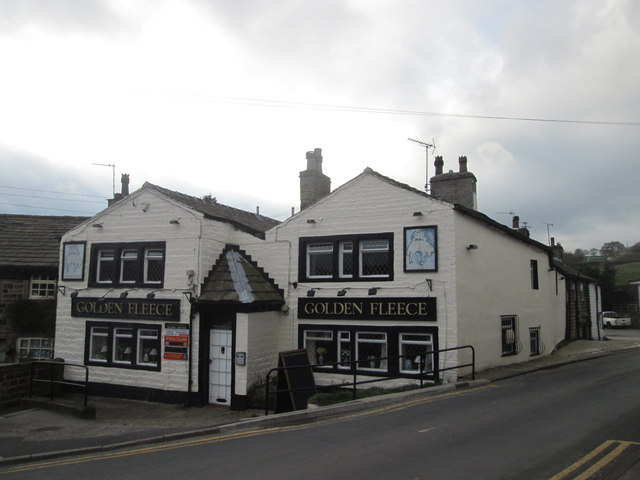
[426, 146]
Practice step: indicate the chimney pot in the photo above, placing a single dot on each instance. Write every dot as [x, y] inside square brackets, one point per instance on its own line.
[516, 222]
[439, 164]
[124, 180]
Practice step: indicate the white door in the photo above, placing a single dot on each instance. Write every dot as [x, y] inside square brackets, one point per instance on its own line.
[220, 366]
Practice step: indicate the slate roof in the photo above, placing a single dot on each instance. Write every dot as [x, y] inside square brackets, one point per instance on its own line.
[235, 279]
[32, 240]
[249, 222]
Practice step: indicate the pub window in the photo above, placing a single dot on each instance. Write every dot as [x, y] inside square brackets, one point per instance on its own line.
[43, 286]
[414, 353]
[371, 348]
[509, 336]
[123, 345]
[344, 349]
[348, 257]
[534, 340]
[374, 258]
[127, 265]
[319, 345]
[98, 344]
[106, 266]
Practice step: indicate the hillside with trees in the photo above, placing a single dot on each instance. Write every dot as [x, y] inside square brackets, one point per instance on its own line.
[614, 265]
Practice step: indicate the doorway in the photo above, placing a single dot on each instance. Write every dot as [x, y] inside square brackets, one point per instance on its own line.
[220, 366]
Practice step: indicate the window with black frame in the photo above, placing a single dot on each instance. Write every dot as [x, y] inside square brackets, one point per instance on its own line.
[349, 257]
[127, 265]
[123, 345]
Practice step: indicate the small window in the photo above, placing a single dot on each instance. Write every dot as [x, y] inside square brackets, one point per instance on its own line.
[371, 350]
[534, 274]
[153, 265]
[320, 260]
[43, 286]
[36, 348]
[106, 266]
[99, 344]
[509, 336]
[346, 259]
[415, 353]
[344, 350]
[534, 340]
[319, 345]
[129, 266]
[374, 258]
[123, 345]
[147, 347]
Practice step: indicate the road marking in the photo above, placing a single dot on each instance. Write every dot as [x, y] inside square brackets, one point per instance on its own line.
[425, 430]
[595, 464]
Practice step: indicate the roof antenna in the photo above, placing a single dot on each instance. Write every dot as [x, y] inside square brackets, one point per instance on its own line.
[113, 167]
[426, 146]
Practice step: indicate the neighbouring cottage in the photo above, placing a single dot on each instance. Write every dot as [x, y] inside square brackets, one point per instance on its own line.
[175, 298]
[29, 252]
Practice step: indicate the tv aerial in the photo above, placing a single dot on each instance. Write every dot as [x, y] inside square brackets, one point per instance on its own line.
[426, 146]
[113, 168]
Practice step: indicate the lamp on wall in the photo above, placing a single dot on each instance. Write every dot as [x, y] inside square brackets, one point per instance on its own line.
[311, 220]
[373, 291]
[311, 293]
[417, 214]
[175, 221]
[97, 225]
[342, 293]
[472, 246]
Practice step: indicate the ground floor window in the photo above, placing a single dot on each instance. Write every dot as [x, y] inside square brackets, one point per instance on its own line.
[35, 348]
[123, 345]
[319, 344]
[390, 350]
[509, 335]
[416, 353]
[534, 340]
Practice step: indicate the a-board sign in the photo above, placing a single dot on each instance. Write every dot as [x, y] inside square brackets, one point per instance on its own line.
[296, 383]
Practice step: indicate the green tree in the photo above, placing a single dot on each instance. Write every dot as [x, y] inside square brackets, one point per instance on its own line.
[612, 249]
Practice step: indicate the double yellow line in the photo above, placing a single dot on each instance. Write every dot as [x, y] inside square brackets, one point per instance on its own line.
[594, 461]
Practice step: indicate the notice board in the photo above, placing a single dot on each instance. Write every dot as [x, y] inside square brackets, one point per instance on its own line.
[296, 383]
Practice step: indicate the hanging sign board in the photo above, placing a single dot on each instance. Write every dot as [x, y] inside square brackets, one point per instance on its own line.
[176, 341]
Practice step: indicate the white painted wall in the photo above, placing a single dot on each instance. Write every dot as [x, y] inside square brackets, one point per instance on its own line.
[495, 280]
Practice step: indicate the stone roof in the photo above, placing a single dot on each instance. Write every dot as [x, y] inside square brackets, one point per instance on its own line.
[252, 223]
[235, 279]
[32, 240]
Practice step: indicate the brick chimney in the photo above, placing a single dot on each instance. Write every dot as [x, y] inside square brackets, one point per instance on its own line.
[455, 187]
[124, 190]
[314, 185]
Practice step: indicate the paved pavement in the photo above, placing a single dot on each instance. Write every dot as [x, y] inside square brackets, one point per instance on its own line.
[38, 433]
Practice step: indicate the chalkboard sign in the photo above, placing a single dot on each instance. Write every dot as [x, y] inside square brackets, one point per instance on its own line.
[296, 383]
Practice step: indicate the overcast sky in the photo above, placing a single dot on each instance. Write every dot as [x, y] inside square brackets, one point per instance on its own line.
[226, 97]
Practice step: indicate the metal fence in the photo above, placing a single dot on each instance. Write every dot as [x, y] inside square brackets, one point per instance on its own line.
[430, 374]
[56, 377]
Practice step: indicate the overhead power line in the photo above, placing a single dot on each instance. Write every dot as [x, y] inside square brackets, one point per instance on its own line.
[260, 102]
[49, 198]
[47, 208]
[52, 191]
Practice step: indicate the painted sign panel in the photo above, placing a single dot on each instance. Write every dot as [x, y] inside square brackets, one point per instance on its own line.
[126, 308]
[176, 341]
[402, 308]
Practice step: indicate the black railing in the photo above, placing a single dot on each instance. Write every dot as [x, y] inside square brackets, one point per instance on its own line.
[422, 375]
[56, 377]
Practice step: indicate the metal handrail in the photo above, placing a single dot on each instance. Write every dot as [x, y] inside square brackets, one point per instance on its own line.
[52, 382]
[353, 363]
